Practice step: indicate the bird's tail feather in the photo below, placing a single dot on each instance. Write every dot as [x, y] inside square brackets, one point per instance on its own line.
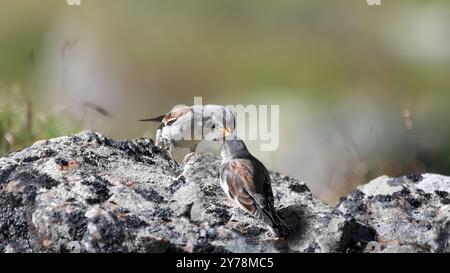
[277, 225]
[155, 119]
[280, 228]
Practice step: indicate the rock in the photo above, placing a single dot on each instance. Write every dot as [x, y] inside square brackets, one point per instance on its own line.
[441, 236]
[409, 214]
[88, 193]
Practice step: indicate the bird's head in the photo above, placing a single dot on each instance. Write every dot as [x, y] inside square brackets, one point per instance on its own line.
[219, 124]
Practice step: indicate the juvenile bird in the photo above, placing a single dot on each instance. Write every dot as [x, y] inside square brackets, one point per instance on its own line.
[246, 182]
[186, 126]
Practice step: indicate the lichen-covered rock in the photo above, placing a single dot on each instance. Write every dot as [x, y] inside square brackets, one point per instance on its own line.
[88, 193]
[409, 214]
[82, 193]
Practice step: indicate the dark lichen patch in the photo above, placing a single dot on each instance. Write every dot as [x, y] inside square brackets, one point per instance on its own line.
[14, 227]
[204, 236]
[424, 194]
[441, 194]
[176, 185]
[6, 172]
[138, 149]
[164, 214]
[414, 202]
[150, 195]
[444, 197]
[254, 231]
[112, 234]
[299, 187]
[414, 177]
[93, 159]
[62, 162]
[404, 194]
[354, 203]
[221, 214]
[29, 195]
[12, 216]
[133, 221]
[101, 140]
[99, 187]
[32, 177]
[77, 224]
[383, 198]
[212, 190]
[44, 153]
[355, 195]
[92, 201]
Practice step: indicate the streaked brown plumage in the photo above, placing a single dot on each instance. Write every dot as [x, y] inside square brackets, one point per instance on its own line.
[246, 181]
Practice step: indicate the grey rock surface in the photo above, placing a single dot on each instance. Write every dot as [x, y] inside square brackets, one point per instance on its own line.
[409, 214]
[88, 193]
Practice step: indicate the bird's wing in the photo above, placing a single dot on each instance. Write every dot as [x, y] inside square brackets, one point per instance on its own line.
[244, 185]
[171, 117]
[264, 187]
[176, 113]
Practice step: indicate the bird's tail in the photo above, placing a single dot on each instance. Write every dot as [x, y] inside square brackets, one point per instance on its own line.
[155, 119]
[276, 224]
[279, 228]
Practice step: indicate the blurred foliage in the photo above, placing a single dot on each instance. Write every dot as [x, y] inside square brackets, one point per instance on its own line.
[21, 126]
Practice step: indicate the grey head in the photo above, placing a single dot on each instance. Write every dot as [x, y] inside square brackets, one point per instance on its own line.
[234, 148]
[217, 119]
[218, 115]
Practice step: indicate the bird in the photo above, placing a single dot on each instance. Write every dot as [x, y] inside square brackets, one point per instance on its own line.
[246, 182]
[186, 126]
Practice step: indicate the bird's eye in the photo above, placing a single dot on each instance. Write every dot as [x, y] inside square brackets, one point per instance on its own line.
[213, 127]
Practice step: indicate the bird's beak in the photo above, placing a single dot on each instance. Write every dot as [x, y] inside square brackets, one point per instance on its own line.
[227, 131]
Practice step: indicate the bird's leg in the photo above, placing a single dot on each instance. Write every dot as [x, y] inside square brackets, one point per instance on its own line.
[159, 141]
[166, 145]
[168, 148]
[171, 156]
